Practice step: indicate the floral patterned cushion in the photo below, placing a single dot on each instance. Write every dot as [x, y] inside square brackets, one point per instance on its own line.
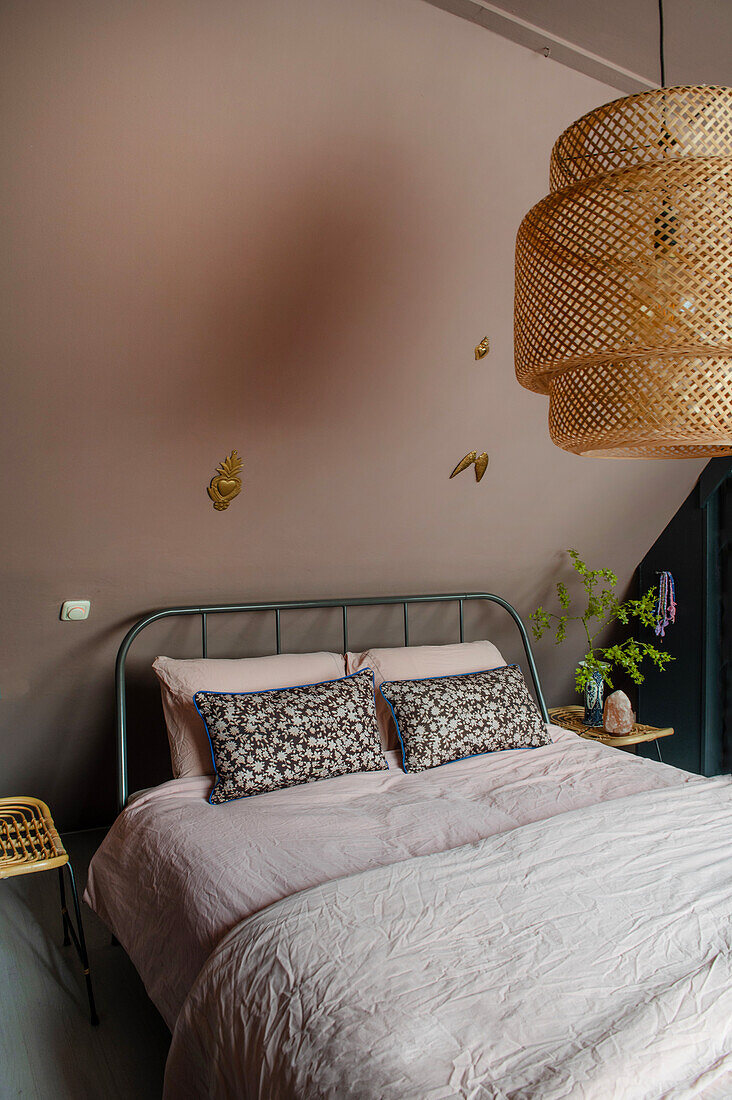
[264, 740]
[447, 718]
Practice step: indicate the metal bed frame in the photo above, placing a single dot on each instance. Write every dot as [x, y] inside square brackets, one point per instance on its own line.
[297, 605]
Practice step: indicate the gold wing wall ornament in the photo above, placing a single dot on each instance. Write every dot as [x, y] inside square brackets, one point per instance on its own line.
[472, 458]
[481, 465]
[226, 483]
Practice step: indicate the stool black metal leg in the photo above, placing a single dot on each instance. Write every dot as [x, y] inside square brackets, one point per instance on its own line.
[80, 944]
[64, 910]
[658, 750]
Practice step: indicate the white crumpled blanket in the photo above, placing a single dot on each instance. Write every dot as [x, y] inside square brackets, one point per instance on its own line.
[174, 875]
[583, 956]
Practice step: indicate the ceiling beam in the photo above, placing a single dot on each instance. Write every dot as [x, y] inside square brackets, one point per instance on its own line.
[533, 37]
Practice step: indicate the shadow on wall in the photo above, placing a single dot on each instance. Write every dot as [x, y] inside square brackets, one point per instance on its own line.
[90, 707]
[289, 310]
[278, 313]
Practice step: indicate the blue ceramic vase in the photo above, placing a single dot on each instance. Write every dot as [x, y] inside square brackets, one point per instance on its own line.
[594, 699]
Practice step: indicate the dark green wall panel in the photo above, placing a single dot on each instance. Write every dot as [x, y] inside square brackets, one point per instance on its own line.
[674, 698]
[692, 695]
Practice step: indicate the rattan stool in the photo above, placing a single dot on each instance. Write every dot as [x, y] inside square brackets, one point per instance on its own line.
[29, 842]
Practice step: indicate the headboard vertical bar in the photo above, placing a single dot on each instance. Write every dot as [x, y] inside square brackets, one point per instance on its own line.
[344, 611]
[405, 607]
[278, 630]
[462, 621]
[122, 781]
[204, 635]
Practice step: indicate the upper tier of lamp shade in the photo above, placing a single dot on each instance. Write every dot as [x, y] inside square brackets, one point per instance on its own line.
[623, 309]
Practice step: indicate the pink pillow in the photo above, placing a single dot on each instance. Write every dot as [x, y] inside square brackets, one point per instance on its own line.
[417, 663]
[190, 751]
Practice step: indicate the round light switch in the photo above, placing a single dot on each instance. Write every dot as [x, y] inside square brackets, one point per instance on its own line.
[75, 609]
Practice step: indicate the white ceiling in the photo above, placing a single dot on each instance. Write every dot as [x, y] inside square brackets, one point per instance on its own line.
[616, 42]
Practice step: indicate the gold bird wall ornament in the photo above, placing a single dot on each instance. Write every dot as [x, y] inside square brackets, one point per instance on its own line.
[473, 458]
[226, 483]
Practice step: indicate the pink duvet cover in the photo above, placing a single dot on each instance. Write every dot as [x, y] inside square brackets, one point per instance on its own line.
[542, 963]
[175, 875]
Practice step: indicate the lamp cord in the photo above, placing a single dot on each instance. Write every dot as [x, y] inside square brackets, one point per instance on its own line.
[661, 43]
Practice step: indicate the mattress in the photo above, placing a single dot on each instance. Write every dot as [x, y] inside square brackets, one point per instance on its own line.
[175, 875]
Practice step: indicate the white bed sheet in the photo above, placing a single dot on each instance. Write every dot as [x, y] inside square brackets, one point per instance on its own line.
[175, 875]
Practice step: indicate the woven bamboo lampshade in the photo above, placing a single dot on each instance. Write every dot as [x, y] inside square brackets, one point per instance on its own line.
[623, 310]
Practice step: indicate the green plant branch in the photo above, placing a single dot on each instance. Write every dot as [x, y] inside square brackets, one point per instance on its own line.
[605, 609]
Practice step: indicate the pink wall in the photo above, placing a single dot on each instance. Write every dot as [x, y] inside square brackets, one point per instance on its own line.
[282, 228]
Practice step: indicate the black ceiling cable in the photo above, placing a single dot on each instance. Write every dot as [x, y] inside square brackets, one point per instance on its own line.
[660, 43]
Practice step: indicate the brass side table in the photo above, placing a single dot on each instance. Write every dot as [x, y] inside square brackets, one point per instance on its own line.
[571, 718]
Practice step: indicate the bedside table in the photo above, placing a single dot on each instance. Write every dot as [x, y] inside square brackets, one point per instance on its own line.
[571, 718]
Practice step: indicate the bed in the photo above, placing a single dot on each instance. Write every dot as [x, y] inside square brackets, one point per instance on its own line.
[539, 924]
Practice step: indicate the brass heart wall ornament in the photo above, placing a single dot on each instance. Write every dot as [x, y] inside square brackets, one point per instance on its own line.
[482, 349]
[226, 483]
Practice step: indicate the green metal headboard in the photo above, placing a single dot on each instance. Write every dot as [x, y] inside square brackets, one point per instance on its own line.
[297, 605]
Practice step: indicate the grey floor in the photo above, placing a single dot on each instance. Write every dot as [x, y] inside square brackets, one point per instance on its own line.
[48, 1050]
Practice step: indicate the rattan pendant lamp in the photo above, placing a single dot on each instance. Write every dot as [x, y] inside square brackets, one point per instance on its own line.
[623, 308]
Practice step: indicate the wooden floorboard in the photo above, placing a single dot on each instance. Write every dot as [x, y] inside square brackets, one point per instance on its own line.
[48, 1050]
